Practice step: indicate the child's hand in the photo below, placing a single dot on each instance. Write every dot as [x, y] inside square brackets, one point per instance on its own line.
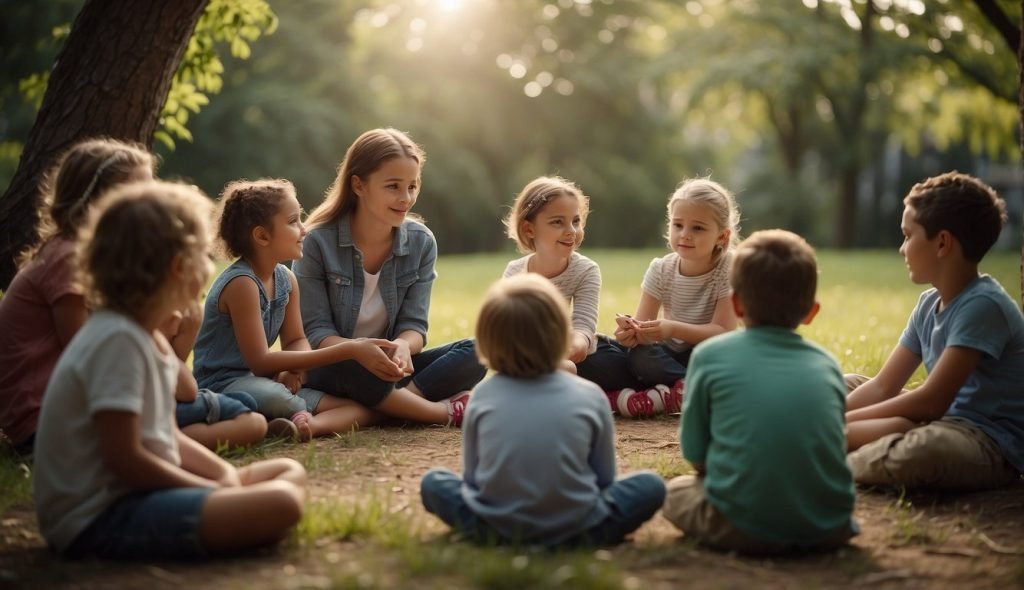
[627, 337]
[627, 330]
[653, 331]
[291, 379]
[579, 348]
[402, 356]
[374, 354]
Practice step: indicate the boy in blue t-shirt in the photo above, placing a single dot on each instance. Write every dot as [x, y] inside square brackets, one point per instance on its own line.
[763, 417]
[963, 428]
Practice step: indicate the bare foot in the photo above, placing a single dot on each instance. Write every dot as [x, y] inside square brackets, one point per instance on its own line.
[301, 420]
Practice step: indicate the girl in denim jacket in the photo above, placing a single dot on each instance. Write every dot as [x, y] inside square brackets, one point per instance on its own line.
[367, 272]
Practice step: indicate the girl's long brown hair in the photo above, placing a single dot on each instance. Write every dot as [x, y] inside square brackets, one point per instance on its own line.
[369, 151]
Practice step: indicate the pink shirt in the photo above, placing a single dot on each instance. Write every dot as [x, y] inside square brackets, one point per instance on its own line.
[29, 346]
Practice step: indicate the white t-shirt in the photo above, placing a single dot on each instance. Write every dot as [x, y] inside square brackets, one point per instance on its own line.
[687, 299]
[373, 316]
[112, 364]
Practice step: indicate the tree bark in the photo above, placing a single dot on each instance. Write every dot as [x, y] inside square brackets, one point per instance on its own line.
[111, 79]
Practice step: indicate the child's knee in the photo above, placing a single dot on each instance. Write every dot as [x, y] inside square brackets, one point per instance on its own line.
[253, 427]
[286, 500]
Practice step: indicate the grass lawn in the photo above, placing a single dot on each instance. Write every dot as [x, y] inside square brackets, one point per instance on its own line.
[365, 528]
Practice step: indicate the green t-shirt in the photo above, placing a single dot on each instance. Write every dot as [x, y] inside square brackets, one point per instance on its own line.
[764, 411]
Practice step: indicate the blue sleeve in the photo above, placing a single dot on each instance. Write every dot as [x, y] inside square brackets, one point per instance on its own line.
[695, 425]
[602, 452]
[911, 337]
[470, 456]
[412, 315]
[979, 324]
[314, 301]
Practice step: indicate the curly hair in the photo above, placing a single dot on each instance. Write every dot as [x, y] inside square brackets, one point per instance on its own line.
[247, 204]
[132, 236]
[962, 205]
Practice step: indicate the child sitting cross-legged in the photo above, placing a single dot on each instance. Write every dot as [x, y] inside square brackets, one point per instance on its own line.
[538, 444]
[114, 477]
[763, 417]
[963, 428]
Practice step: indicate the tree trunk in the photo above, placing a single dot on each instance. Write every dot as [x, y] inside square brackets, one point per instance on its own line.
[111, 78]
[1020, 107]
[846, 212]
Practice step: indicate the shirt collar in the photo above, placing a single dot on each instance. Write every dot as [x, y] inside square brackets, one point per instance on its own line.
[399, 247]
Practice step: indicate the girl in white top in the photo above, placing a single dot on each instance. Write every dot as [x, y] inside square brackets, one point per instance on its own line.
[547, 222]
[691, 284]
[114, 476]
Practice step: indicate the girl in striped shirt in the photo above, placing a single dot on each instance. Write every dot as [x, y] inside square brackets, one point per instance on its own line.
[691, 285]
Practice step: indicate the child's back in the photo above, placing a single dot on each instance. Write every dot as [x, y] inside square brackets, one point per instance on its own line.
[538, 453]
[764, 408]
[538, 444]
[763, 417]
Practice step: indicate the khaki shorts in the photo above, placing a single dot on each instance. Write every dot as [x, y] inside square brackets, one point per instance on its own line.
[687, 507]
[947, 454]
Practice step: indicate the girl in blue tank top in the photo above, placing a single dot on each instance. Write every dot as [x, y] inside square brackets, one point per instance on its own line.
[255, 302]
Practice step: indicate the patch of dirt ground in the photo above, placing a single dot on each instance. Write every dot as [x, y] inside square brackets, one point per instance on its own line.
[920, 541]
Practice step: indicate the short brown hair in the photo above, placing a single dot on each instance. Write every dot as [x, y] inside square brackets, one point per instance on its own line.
[246, 204]
[133, 234]
[523, 327]
[962, 205]
[775, 276]
[528, 203]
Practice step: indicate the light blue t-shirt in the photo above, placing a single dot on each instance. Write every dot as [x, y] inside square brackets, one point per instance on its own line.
[764, 411]
[537, 453]
[983, 318]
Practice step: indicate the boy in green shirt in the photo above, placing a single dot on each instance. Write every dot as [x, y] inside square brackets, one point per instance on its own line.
[763, 417]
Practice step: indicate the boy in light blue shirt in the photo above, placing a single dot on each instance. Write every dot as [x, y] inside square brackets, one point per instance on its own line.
[963, 428]
[763, 417]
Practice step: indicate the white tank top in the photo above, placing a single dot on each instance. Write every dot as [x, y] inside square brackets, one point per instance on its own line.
[373, 316]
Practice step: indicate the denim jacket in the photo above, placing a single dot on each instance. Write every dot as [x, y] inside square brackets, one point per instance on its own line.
[330, 275]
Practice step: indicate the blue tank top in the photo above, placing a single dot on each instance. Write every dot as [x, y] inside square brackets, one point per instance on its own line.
[218, 359]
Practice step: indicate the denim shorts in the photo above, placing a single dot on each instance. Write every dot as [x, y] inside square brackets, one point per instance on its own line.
[162, 524]
[273, 399]
[210, 407]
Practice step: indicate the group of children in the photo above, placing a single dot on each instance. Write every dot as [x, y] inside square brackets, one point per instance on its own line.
[100, 320]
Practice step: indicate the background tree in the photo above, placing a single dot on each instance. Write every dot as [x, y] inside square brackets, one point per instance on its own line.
[112, 77]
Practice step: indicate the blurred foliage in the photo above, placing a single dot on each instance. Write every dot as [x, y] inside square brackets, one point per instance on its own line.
[775, 98]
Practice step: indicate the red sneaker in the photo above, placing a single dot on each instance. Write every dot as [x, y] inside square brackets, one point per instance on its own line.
[457, 408]
[672, 397]
[637, 404]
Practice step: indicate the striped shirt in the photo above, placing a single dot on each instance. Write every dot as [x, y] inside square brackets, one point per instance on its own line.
[691, 300]
[580, 282]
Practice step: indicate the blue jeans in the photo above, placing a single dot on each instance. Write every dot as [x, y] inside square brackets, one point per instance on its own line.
[632, 501]
[439, 373]
[657, 363]
[162, 524]
[210, 407]
[608, 366]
